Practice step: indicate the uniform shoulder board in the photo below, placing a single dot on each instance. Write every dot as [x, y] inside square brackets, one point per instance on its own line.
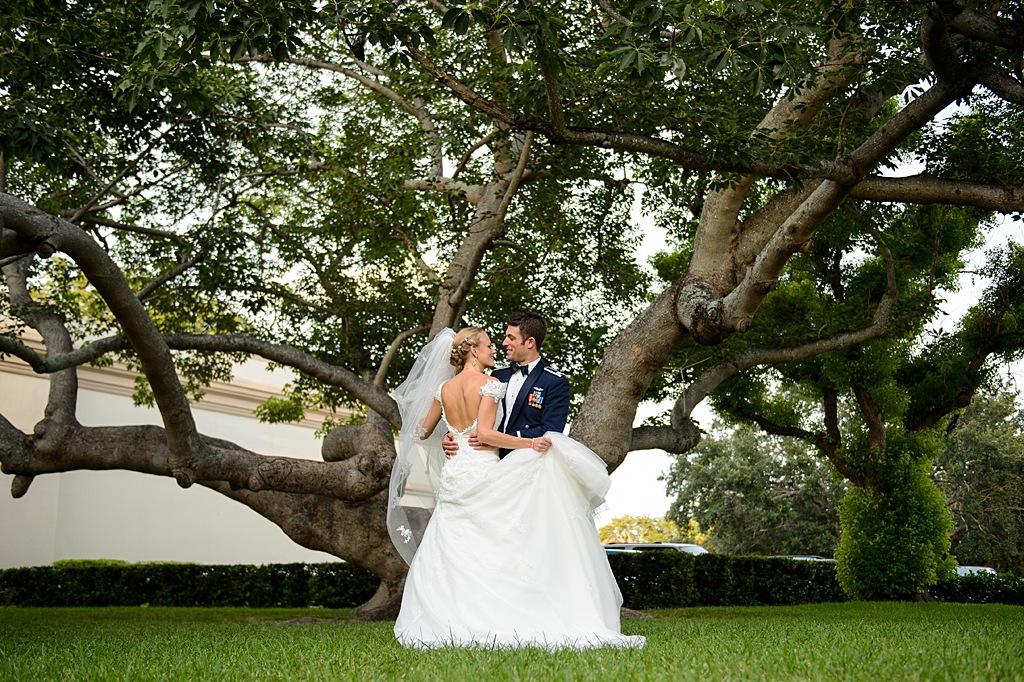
[555, 372]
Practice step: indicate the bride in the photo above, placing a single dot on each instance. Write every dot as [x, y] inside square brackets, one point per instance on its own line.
[502, 553]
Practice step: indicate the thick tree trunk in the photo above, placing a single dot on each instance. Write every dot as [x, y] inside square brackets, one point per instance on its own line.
[637, 355]
[330, 526]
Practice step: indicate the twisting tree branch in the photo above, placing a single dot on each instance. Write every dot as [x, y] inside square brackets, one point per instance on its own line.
[92, 219]
[172, 273]
[872, 417]
[355, 475]
[374, 396]
[1009, 88]
[613, 13]
[52, 235]
[971, 23]
[554, 96]
[517, 177]
[670, 439]
[926, 189]
[63, 398]
[713, 377]
[485, 140]
[385, 362]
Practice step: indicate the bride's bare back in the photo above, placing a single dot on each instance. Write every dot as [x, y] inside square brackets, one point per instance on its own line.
[461, 399]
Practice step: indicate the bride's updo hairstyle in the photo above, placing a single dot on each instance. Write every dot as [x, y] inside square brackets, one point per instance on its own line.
[463, 341]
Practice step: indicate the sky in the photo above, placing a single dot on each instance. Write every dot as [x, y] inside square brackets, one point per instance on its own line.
[636, 490]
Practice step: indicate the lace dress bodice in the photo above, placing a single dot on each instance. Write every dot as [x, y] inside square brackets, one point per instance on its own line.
[469, 468]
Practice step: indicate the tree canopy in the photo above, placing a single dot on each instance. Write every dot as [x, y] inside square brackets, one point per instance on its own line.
[631, 529]
[187, 183]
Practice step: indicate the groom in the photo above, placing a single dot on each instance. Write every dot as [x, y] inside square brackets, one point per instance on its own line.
[537, 398]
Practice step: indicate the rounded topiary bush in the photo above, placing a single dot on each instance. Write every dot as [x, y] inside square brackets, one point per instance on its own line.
[895, 540]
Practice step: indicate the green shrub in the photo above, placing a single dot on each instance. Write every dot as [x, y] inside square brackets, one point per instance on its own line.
[895, 541]
[336, 585]
[666, 579]
[981, 588]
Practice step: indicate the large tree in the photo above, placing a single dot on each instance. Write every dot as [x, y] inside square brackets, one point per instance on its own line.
[785, 199]
[217, 192]
[320, 212]
[647, 529]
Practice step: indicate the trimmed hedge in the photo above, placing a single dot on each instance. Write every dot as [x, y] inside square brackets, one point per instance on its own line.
[666, 579]
[655, 579]
[982, 588]
[332, 585]
[754, 581]
[648, 580]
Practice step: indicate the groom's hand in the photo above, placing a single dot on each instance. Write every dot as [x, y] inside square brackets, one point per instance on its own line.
[451, 448]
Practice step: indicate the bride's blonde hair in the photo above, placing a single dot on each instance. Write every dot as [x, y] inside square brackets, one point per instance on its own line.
[463, 341]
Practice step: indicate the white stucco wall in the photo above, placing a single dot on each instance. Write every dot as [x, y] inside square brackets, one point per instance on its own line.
[138, 517]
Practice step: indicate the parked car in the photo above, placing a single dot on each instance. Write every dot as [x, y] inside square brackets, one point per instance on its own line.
[616, 550]
[973, 570]
[644, 546]
[802, 557]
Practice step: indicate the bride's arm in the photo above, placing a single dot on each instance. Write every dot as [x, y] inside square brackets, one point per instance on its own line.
[429, 422]
[488, 435]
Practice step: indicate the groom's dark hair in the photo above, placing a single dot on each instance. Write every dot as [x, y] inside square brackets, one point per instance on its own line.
[530, 324]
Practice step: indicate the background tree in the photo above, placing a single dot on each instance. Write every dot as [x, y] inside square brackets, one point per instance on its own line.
[761, 132]
[981, 471]
[757, 494]
[645, 529]
[740, 483]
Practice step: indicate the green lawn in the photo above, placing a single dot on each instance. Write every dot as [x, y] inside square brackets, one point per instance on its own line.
[849, 641]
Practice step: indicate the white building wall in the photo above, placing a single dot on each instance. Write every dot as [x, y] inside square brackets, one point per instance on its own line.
[138, 517]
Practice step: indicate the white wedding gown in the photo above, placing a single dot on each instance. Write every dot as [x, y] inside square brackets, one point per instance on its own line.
[511, 557]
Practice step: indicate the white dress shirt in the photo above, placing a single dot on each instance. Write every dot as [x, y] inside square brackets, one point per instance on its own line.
[515, 384]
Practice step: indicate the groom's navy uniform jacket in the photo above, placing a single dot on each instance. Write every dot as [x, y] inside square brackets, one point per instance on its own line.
[542, 404]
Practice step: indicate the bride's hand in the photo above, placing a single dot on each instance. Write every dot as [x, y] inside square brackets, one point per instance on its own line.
[540, 444]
